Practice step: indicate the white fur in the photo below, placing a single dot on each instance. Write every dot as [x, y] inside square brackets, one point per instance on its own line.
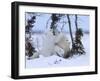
[53, 44]
[57, 44]
[63, 43]
[48, 44]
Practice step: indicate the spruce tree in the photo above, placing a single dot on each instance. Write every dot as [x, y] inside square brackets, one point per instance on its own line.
[28, 30]
[78, 47]
[55, 18]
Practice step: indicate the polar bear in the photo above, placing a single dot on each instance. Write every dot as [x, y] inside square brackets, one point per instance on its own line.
[48, 44]
[54, 45]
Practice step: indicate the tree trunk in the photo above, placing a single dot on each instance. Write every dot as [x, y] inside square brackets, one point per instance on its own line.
[76, 22]
[69, 23]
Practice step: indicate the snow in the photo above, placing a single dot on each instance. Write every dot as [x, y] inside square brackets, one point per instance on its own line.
[56, 61]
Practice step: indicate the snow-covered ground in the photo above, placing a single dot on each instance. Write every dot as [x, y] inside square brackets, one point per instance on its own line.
[56, 61]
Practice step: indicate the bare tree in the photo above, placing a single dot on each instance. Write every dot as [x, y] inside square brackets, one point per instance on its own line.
[76, 22]
[70, 29]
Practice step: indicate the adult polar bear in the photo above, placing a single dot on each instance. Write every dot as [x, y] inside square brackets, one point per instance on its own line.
[53, 45]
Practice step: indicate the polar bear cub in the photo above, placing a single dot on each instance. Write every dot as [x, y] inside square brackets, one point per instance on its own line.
[62, 42]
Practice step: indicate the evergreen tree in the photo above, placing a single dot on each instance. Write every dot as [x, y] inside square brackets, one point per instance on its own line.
[28, 29]
[30, 24]
[78, 46]
[55, 18]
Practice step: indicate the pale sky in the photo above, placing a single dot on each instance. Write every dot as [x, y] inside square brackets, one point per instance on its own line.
[41, 21]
